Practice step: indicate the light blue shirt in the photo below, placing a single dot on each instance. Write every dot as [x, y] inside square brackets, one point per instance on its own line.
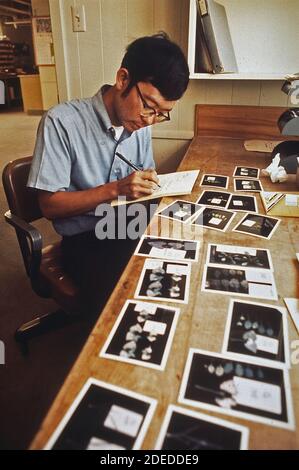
[75, 150]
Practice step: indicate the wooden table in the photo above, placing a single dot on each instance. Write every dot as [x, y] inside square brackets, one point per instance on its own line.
[201, 323]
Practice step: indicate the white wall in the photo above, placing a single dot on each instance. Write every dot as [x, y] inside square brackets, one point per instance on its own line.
[84, 61]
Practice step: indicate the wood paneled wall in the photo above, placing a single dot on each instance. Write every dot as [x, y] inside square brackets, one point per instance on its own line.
[87, 60]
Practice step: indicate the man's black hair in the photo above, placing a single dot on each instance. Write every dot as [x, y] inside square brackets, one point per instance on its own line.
[159, 61]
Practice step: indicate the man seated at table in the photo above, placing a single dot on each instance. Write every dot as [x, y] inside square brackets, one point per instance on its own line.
[75, 167]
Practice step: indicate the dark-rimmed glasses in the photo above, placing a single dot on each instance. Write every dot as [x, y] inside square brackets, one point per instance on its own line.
[149, 112]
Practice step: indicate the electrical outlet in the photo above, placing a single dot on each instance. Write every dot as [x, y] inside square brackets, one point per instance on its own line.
[79, 20]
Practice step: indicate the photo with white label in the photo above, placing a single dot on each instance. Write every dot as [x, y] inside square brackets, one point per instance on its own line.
[241, 203]
[215, 181]
[247, 185]
[214, 199]
[258, 331]
[104, 417]
[168, 248]
[236, 387]
[215, 219]
[181, 211]
[142, 334]
[247, 172]
[246, 282]
[164, 280]
[234, 256]
[257, 225]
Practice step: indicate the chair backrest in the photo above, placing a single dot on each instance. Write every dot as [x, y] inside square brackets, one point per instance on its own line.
[22, 201]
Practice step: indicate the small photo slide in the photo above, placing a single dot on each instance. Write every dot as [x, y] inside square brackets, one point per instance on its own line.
[248, 185]
[104, 417]
[247, 172]
[240, 203]
[239, 256]
[184, 429]
[142, 334]
[216, 219]
[214, 199]
[164, 280]
[246, 282]
[215, 181]
[261, 226]
[258, 331]
[168, 248]
[236, 387]
[180, 210]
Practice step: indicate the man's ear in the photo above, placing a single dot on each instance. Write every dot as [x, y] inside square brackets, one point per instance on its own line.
[122, 79]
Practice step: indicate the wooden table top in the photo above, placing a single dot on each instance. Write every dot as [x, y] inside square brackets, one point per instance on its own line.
[202, 321]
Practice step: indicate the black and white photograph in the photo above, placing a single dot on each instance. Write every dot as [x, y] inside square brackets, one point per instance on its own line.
[104, 417]
[214, 199]
[180, 210]
[261, 226]
[212, 218]
[168, 248]
[258, 331]
[247, 172]
[236, 387]
[240, 203]
[247, 185]
[243, 256]
[184, 429]
[164, 280]
[246, 282]
[215, 181]
[142, 334]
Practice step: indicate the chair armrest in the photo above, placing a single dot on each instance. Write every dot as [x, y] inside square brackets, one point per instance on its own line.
[26, 231]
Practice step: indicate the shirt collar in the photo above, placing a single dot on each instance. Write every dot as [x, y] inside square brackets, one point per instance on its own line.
[101, 112]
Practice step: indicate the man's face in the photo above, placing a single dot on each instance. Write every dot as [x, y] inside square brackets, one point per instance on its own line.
[131, 109]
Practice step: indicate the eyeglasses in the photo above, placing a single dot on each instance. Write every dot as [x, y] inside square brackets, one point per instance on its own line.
[149, 112]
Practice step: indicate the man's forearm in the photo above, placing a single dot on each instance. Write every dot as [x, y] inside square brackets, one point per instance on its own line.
[68, 204]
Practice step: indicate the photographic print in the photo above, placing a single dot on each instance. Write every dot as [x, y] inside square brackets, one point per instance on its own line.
[216, 219]
[257, 225]
[142, 334]
[248, 185]
[216, 181]
[258, 331]
[241, 388]
[232, 255]
[168, 248]
[246, 282]
[164, 280]
[184, 429]
[104, 417]
[214, 199]
[241, 203]
[247, 172]
[180, 210]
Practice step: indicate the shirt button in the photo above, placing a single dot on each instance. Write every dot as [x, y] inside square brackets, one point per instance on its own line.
[117, 171]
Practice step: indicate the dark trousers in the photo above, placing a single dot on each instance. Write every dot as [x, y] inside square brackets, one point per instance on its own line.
[95, 266]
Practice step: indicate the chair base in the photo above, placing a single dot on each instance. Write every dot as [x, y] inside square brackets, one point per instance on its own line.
[41, 325]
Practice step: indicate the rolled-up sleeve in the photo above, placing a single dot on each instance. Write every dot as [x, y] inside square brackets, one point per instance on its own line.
[51, 165]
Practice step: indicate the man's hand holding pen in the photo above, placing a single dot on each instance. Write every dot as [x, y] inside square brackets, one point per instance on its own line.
[138, 184]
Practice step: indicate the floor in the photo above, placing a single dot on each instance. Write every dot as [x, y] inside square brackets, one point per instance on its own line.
[28, 384]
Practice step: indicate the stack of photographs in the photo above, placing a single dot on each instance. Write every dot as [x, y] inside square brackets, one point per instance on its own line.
[243, 271]
[164, 280]
[104, 417]
[168, 248]
[238, 387]
[142, 334]
[185, 429]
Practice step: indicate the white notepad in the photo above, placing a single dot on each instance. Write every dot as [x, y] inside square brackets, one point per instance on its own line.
[172, 184]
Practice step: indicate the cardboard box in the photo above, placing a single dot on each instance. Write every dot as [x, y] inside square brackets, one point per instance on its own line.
[281, 204]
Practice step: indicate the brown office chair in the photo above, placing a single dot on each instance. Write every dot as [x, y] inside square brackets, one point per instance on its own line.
[43, 265]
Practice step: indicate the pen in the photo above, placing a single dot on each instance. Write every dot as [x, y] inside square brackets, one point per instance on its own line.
[119, 155]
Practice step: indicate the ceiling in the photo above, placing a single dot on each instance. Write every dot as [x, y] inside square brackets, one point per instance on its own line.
[15, 9]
